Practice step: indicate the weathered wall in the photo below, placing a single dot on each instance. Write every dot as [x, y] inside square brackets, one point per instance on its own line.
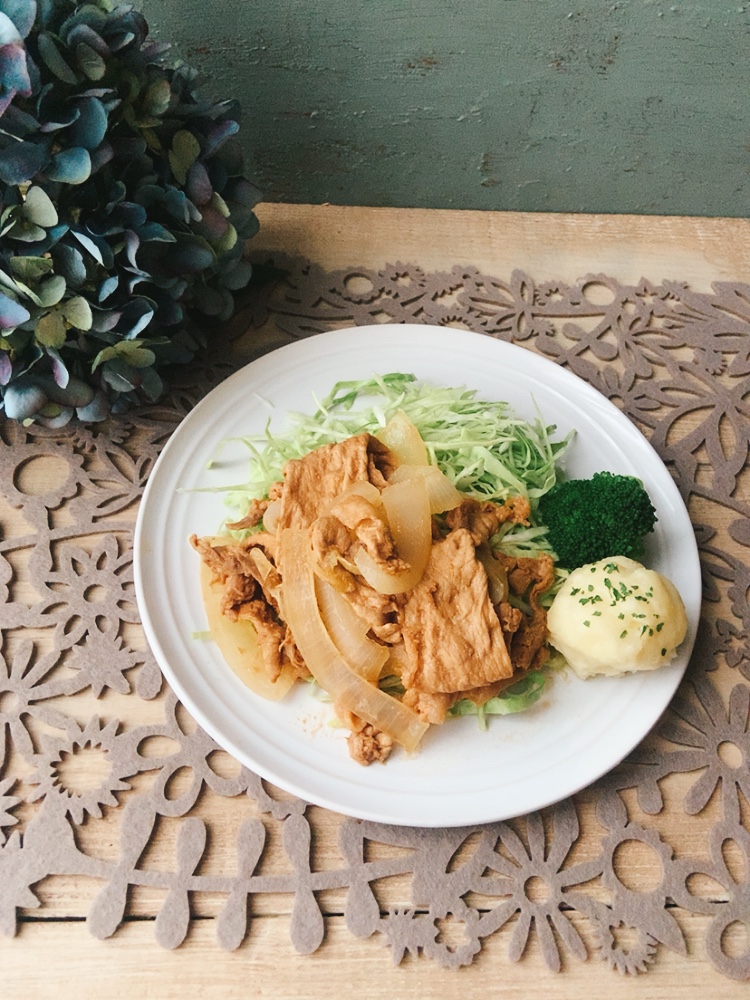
[563, 105]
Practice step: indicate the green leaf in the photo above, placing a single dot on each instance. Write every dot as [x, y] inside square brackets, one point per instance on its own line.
[131, 84]
[19, 340]
[52, 410]
[50, 330]
[30, 268]
[126, 352]
[151, 138]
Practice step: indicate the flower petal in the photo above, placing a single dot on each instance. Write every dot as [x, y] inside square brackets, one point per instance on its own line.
[77, 312]
[96, 410]
[9, 33]
[50, 329]
[23, 401]
[70, 166]
[39, 208]
[12, 313]
[53, 60]
[91, 127]
[69, 263]
[20, 161]
[22, 13]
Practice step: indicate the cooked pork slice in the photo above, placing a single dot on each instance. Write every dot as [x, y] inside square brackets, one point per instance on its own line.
[310, 483]
[429, 707]
[271, 635]
[229, 563]
[528, 579]
[453, 637]
[241, 566]
[482, 518]
[528, 646]
[481, 695]
[368, 528]
[369, 745]
[331, 543]
[353, 522]
[380, 611]
[354, 510]
[380, 462]
[254, 515]
[510, 619]
[291, 654]
[366, 743]
[249, 578]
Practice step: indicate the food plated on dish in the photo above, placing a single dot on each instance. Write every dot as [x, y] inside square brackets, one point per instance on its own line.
[570, 731]
[408, 548]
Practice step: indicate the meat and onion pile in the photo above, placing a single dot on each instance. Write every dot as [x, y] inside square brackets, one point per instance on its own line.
[364, 563]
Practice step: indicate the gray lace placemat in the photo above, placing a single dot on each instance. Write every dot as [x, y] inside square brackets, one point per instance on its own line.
[76, 680]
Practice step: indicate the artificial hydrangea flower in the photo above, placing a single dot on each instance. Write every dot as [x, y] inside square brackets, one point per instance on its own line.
[123, 210]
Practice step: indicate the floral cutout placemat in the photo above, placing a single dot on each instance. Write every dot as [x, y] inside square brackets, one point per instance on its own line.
[77, 681]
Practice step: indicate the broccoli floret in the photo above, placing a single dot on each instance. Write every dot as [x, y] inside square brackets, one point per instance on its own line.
[590, 519]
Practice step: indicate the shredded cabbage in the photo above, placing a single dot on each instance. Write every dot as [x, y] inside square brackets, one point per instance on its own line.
[482, 446]
[516, 698]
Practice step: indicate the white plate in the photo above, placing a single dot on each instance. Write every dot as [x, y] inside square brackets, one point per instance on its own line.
[462, 775]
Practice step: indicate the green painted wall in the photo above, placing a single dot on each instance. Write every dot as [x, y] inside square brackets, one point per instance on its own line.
[540, 105]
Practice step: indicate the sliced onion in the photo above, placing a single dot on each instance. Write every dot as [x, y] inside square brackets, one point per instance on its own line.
[404, 440]
[349, 632]
[497, 574]
[398, 661]
[350, 691]
[443, 494]
[265, 568]
[407, 507]
[238, 644]
[271, 516]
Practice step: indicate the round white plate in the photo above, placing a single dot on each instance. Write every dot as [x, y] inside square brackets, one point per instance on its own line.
[461, 775]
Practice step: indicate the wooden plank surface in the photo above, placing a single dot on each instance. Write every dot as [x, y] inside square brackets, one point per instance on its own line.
[49, 955]
[549, 246]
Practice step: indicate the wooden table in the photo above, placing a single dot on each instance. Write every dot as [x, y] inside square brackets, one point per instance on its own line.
[53, 953]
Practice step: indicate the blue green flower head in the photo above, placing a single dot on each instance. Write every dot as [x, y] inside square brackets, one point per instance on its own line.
[124, 211]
